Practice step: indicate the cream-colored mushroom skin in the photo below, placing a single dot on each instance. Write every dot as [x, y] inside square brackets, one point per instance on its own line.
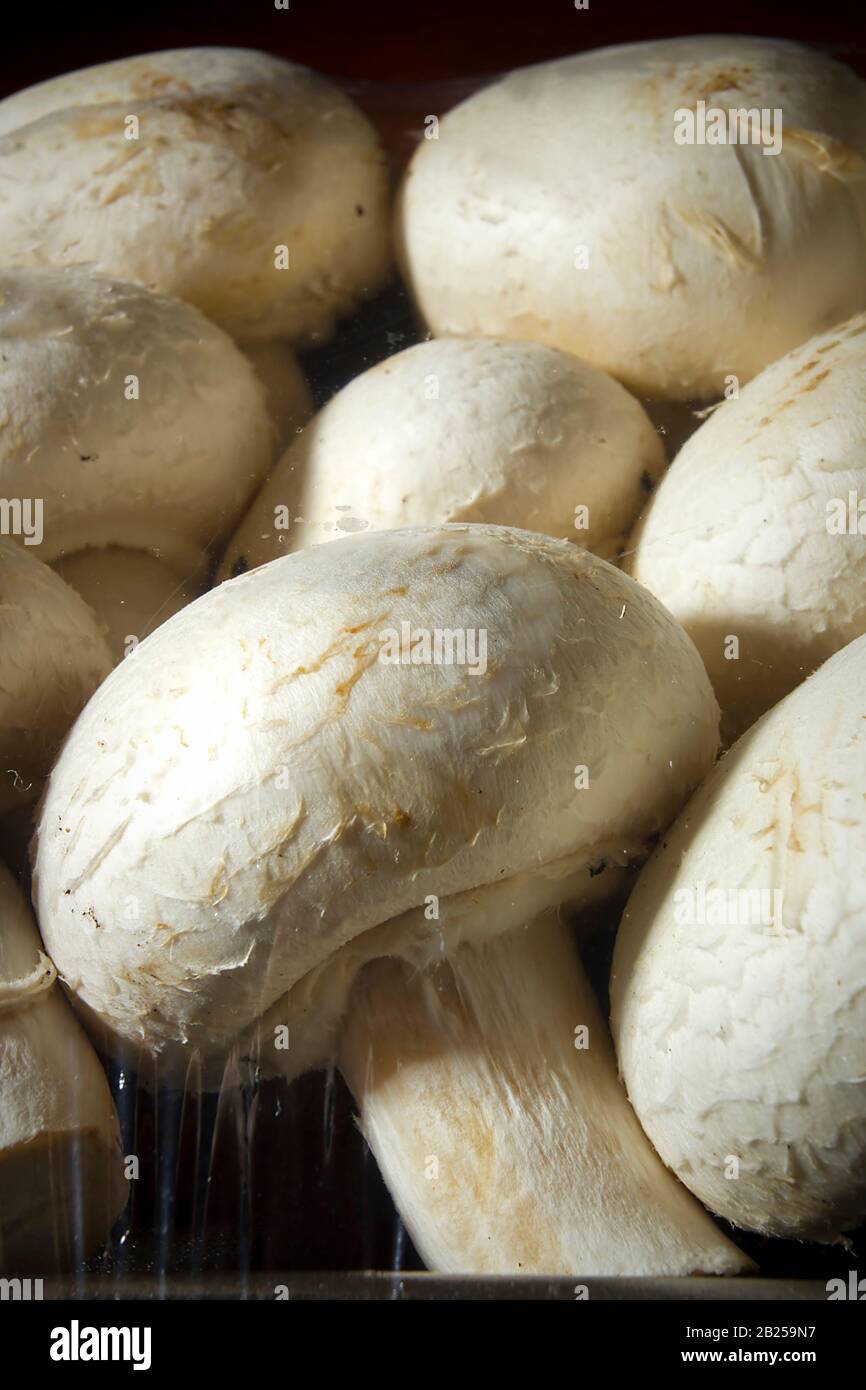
[53, 655]
[739, 977]
[127, 417]
[247, 185]
[572, 203]
[756, 538]
[511, 433]
[61, 1174]
[129, 591]
[509, 1146]
[264, 783]
[287, 783]
[287, 392]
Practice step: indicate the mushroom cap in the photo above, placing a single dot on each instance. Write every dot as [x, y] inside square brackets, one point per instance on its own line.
[61, 1176]
[236, 154]
[739, 541]
[287, 392]
[740, 1030]
[52, 657]
[130, 592]
[267, 778]
[170, 469]
[456, 430]
[703, 260]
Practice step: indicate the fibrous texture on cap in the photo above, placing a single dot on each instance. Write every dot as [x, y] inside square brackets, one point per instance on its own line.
[287, 765]
[247, 185]
[560, 205]
[739, 979]
[755, 538]
[453, 430]
[127, 417]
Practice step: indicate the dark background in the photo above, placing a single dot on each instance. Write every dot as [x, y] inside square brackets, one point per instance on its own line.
[418, 40]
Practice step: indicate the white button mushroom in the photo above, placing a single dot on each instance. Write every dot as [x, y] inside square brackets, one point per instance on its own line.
[52, 657]
[128, 419]
[755, 538]
[61, 1175]
[249, 186]
[288, 396]
[576, 203]
[451, 430]
[130, 592]
[319, 764]
[739, 979]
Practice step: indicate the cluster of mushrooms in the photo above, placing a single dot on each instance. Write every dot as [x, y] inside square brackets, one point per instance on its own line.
[265, 827]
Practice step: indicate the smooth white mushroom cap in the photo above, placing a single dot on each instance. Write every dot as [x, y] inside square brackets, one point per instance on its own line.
[134, 420]
[130, 592]
[257, 787]
[556, 205]
[750, 534]
[741, 1029]
[287, 393]
[61, 1175]
[52, 657]
[236, 154]
[450, 430]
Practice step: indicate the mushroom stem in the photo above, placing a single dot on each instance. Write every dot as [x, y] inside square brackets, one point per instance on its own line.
[489, 1094]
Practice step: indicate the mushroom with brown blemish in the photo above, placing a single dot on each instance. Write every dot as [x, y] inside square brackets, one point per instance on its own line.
[221, 176]
[358, 786]
[582, 203]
